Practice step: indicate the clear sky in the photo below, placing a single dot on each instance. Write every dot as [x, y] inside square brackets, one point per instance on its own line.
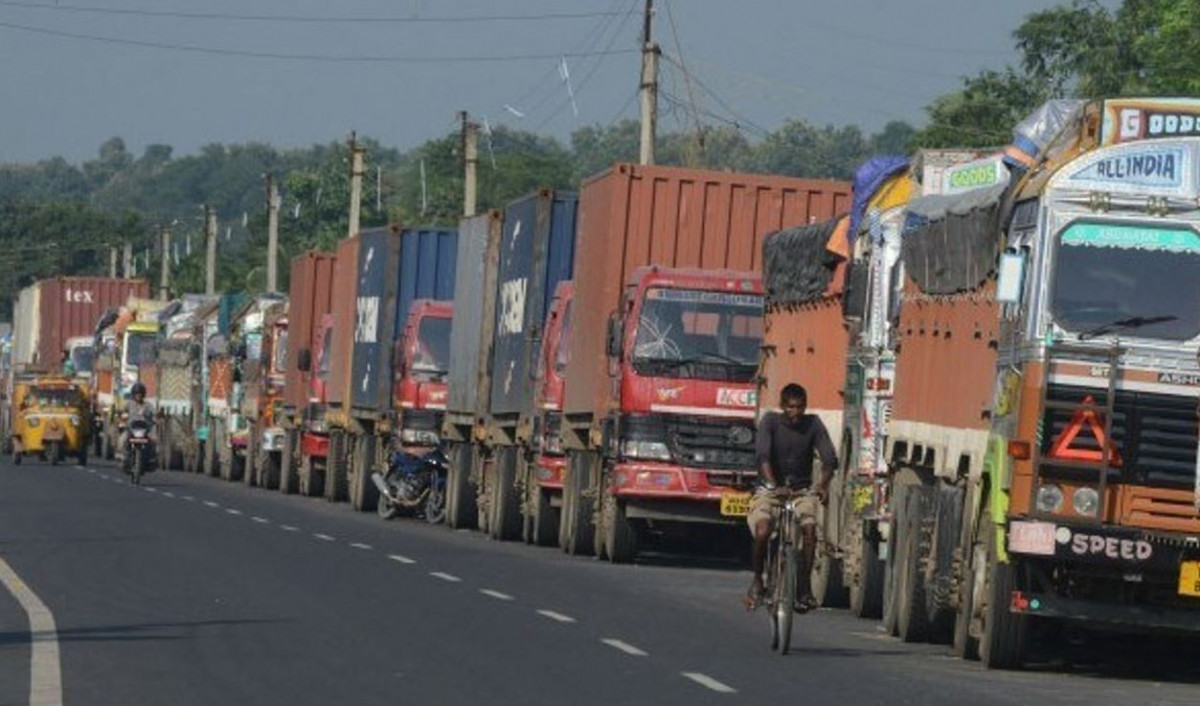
[755, 62]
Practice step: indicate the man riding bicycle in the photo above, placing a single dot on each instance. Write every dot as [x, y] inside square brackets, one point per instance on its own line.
[786, 445]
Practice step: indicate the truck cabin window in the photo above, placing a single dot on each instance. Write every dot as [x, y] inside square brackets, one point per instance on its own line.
[431, 359]
[1127, 280]
[699, 334]
[279, 352]
[140, 348]
[83, 358]
[564, 339]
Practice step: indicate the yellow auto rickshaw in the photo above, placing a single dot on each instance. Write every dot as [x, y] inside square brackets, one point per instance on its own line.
[50, 419]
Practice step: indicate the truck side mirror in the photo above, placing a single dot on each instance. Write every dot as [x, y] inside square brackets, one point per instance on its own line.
[1010, 280]
[614, 346]
[304, 360]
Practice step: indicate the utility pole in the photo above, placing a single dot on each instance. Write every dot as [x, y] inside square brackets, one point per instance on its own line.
[272, 233]
[164, 273]
[470, 148]
[649, 88]
[356, 180]
[112, 262]
[210, 259]
[127, 260]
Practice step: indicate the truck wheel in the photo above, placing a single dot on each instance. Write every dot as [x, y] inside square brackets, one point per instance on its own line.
[1002, 645]
[866, 590]
[460, 495]
[580, 532]
[620, 536]
[287, 465]
[912, 620]
[366, 496]
[828, 583]
[506, 504]
[335, 467]
[940, 597]
[544, 518]
[83, 456]
[269, 462]
[249, 467]
[895, 559]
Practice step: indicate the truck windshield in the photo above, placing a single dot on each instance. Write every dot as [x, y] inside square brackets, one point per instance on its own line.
[432, 355]
[1123, 279]
[279, 362]
[323, 363]
[55, 397]
[686, 333]
[139, 349]
[83, 359]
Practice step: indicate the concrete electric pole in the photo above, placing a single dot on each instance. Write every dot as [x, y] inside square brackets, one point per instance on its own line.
[272, 235]
[649, 88]
[356, 180]
[164, 254]
[210, 257]
[470, 147]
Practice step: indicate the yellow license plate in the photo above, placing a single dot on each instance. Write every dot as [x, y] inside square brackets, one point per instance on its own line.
[735, 504]
[1189, 578]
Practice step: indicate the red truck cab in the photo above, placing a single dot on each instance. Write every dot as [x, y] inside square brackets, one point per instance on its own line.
[419, 387]
[552, 364]
[314, 441]
[688, 346]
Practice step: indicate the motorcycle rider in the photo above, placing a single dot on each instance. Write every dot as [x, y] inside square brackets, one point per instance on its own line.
[136, 407]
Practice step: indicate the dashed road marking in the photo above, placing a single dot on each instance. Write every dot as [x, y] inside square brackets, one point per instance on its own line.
[92, 471]
[211, 503]
[556, 616]
[360, 545]
[401, 558]
[496, 594]
[168, 494]
[231, 511]
[323, 537]
[624, 647]
[709, 683]
[45, 665]
[289, 528]
[187, 498]
[150, 490]
[444, 576]
[261, 520]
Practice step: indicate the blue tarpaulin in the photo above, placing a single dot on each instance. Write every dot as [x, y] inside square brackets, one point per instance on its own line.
[869, 176]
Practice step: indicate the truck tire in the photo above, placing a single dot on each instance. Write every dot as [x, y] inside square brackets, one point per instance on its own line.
[460, 495]
[542, 519]
[620, 536]
[866, 590]
[287, 463]
[579, 532]
[828, 582]
[941, 596]
[312, 481]
[335, 467]
[269, 462]
[1003, 642]
[912, 620]
[210, 461]
[249, 467]
[895, 558]
[365, 497]
[506, 504]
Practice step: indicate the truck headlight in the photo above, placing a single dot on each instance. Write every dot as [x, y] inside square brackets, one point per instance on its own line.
[1049, 498]
[1086, 501]
[645, 450]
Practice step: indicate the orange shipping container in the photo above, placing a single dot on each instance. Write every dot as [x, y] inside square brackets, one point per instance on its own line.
[311, 297]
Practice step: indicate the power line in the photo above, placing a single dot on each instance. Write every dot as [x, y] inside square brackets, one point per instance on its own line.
[433, 19]
[280, 56]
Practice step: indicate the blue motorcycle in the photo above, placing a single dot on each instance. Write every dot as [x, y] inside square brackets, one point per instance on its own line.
[415, 485]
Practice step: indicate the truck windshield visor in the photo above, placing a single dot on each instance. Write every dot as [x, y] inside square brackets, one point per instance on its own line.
[687, 333]
[432, 354]
[1127, 279]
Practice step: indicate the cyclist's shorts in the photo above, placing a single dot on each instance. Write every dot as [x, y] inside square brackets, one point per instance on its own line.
[763, 503]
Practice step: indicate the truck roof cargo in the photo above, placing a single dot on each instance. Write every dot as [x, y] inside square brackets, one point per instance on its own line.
[632, 216]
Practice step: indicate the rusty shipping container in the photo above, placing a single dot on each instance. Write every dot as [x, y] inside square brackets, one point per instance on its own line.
[630, 216]
[345, 314]
[64, 307]
[478, 260]
[310, 298]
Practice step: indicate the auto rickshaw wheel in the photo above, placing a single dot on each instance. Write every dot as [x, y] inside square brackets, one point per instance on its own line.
[17, 457]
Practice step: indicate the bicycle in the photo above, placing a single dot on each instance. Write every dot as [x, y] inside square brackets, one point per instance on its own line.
[783, 568]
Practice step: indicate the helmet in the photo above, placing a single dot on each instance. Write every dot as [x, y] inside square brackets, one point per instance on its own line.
[138, 388]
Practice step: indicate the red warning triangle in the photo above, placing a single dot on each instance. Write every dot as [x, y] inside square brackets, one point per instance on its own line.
[1062, 446]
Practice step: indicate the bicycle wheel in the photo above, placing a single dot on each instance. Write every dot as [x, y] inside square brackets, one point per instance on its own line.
[772, 573]
[785, 604]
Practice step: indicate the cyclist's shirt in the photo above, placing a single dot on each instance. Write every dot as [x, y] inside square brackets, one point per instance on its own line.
[790, 449]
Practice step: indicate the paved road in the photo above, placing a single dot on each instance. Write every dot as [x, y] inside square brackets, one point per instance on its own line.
[193, 591]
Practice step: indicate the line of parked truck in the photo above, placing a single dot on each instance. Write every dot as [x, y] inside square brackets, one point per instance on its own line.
[1003, 345]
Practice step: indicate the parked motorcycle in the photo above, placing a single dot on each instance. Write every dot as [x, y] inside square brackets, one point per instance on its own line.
[414, 485]
[139, 450]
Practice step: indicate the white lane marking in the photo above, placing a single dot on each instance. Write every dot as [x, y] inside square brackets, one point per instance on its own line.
[168, 494]
[231, 511]
[45, 668]
[496, 594]
[444, 576]
[82, 468]
[401, 558]
[92, 471]
[323, 537]
[624, 647]
[211, 503]
[360, 545]
[709, 683]
[556, 616]
[187, 498]
[289, 528]
[150, 490]
[261, 520]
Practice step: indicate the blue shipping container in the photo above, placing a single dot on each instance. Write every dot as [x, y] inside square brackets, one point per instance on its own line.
[427, 268]
[537, 252]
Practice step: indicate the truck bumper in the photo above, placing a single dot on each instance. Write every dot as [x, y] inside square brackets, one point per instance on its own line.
[315, 445]
[655, 491]
[549, 472]
[1098, 612]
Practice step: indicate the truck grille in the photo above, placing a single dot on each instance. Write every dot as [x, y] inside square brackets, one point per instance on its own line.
[1155, 434]
[712, 443]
